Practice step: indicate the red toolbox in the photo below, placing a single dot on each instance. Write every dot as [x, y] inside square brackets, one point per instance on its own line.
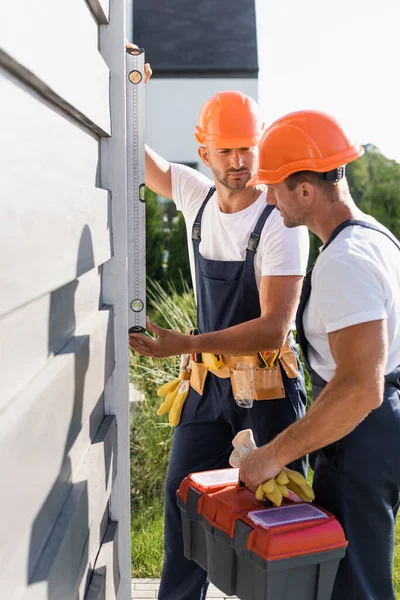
[290, 552]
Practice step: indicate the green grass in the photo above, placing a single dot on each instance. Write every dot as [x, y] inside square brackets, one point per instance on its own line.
[151, 439]
[396, 560]
[147, 541]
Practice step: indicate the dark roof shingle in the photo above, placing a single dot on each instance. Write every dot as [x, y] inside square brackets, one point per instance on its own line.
[198, 37]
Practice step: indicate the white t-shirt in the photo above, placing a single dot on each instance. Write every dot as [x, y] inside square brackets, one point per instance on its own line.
[224, 237]
[355, 280]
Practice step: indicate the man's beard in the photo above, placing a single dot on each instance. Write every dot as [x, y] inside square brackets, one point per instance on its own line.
[230, 182]
[290, 223]
[294, 221]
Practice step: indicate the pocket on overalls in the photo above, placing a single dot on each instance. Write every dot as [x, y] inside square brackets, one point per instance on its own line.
[334, 453]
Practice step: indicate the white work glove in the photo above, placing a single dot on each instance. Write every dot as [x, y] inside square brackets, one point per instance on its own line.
[243, 443]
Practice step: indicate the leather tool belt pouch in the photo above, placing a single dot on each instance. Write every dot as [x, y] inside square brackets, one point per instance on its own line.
[262, 383]
[268, 383]
[288, 360]
[198, 376]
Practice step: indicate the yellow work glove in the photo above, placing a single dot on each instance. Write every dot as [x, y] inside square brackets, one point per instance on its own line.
[295, 482]
[271, 490]
[175, 393]
[277, 488]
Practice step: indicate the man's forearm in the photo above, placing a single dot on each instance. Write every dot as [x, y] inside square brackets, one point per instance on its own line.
[158, 173]
[341, 406]
[356, 389]
[252, 336]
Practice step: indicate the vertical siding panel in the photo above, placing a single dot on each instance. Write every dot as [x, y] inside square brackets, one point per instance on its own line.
[113, 178]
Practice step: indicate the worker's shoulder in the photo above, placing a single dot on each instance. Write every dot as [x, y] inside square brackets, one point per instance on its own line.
[357, 252]
[188, 174]
[360, 242]
[189, 188]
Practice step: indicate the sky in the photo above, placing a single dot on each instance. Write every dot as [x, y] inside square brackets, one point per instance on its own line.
[338, 56]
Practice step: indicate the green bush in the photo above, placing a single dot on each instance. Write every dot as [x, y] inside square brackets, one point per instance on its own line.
[154, 238]
[178, 268]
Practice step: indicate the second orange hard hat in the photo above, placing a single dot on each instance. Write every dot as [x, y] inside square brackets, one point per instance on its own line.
[229, 120]
[306, 140]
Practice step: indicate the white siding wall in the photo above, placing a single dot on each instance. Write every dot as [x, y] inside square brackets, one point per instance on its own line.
[64, 416]
[172, 109]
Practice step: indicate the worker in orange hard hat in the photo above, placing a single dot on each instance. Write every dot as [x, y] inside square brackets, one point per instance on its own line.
[348, 326]
[247, 269]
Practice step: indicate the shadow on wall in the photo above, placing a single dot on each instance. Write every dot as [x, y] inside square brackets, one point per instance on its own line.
[60, 533]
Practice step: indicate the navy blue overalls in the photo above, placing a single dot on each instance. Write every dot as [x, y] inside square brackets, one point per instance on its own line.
[357, 478]
[227, 295]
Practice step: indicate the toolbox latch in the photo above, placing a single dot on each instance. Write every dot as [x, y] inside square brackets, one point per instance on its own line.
[241, 534]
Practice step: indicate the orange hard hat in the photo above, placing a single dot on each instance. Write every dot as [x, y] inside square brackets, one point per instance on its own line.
[306, 140]
[229, 120]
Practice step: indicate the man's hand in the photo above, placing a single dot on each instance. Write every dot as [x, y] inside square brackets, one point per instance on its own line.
[259, 466]
[147, 69]
[168, 343]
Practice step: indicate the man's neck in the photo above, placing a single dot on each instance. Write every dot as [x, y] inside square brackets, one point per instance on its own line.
[232, 201]
[324, 222]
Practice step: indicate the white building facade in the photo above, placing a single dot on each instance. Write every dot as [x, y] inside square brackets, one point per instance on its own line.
[195, 49]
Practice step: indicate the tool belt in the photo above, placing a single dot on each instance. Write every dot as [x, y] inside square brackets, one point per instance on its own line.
[264, 375]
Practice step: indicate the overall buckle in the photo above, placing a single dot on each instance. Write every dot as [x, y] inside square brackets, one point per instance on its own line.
[253, 242]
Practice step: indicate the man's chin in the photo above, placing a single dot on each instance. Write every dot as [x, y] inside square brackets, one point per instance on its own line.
[289, 223]
[239, 184]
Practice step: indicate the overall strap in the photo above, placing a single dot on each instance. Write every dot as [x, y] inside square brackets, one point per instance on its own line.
[366, 224]
[196, 229]
[306, 290]
[254, 238]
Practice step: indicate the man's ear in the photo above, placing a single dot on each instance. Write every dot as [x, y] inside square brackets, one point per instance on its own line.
[203, 153]
[307, 192]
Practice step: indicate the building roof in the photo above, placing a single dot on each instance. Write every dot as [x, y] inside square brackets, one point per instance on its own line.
[193, 38]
